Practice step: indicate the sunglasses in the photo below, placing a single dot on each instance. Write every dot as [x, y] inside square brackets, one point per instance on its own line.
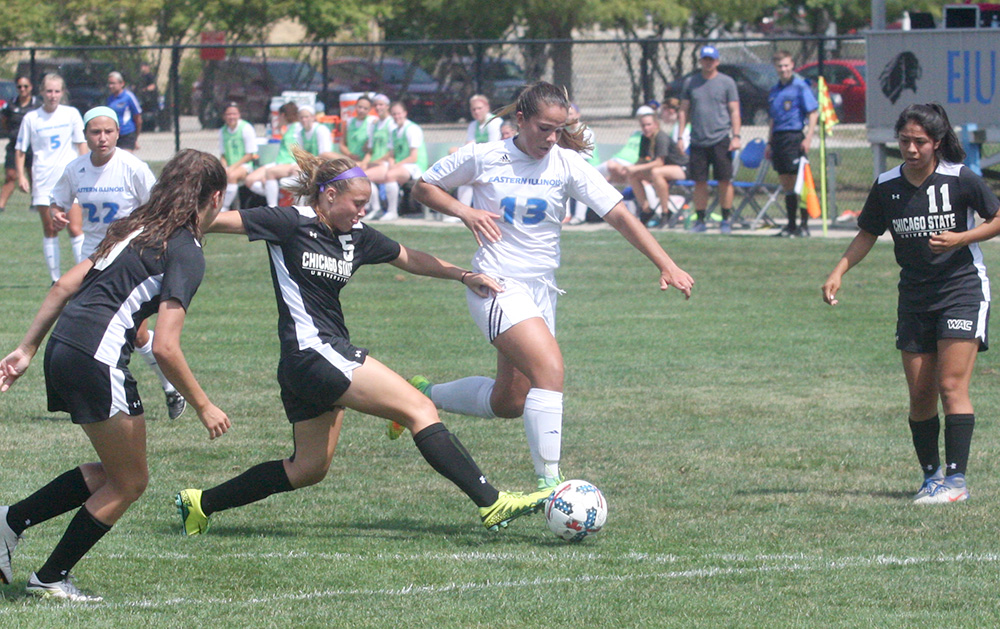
[24, 87]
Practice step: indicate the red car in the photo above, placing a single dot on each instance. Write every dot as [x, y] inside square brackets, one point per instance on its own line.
[845, 77]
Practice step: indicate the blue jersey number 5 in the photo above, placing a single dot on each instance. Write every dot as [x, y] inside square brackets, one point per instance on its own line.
[530, 211]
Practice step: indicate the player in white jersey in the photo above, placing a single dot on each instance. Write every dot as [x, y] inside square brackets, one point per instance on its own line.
[929, 205]
[50, 132]
[109, 183]
[523, 185]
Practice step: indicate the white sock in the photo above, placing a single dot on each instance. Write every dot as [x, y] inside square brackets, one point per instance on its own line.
[271, 191]
[257, 187]
[392, 199]
[543, 411]
[375, 203]
[232, 190]
[467, 396]
[77, 243]
[50, 249]
[146, 351]
[464, 195]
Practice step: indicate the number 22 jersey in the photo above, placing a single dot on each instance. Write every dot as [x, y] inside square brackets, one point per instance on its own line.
[530, 195]
[946, 201]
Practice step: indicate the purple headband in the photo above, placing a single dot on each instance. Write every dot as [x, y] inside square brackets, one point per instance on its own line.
[350, 173]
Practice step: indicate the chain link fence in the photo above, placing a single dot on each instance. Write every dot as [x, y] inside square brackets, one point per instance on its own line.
[607, 79]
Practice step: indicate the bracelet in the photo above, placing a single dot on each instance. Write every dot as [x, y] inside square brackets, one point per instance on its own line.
[464, 273]
[736, 135]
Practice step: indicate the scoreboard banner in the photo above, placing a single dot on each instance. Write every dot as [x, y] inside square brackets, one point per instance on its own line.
[959, 68]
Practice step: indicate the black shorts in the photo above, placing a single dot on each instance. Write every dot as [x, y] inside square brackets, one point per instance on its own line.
[786, 150]
[128, 141]
[312, 380]
[9, 162]
[89, 390]
[919, 332]
[717, 155]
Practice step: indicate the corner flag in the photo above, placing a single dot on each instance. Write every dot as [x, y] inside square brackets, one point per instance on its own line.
[827, 115]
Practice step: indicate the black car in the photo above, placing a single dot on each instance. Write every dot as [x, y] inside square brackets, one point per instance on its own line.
[426, 100]
[500, 80]
[249, 82]
[86, 79]
[753, 85]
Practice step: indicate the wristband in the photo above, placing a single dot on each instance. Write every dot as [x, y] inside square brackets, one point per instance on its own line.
[736, 135]
[464, 273]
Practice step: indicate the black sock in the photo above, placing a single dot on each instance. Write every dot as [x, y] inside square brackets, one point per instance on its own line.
[957, 439]
[726, 212]
[804, 216]
[450, 459]
[82, 533]
[64, 493]
[257, 483]
[792, 208]
[925, 442]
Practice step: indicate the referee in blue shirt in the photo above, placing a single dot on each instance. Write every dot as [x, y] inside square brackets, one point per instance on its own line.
[794, 112]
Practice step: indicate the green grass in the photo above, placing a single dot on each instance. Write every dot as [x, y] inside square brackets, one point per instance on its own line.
[751, 442]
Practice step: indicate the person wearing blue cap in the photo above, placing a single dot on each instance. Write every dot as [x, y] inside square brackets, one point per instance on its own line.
[314, 251]
[710, 102]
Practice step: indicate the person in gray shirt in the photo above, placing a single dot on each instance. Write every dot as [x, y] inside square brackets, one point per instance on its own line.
[710, 102]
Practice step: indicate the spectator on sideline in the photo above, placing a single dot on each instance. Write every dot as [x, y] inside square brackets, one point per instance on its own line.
[378, 151]
[129, 111]
[407, 160]
[357, 133]
[312, 136]
[149, 96]
[483, 128]
[283, 164]
[660, 162]
[10, 116]
[615, 170]
[238, 149]
[51, 131]
[711, 103]
[793, 107]
[577, 212]
[507, 130]
[669, 114]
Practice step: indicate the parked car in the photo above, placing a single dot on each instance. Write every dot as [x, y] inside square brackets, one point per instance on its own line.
[753, 84]
[86, 79]
[249, 82]
[500, 80]
[845, 77]
[426, 100]
[8, 91]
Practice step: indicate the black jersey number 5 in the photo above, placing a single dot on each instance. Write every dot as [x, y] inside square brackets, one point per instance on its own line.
[347, 246]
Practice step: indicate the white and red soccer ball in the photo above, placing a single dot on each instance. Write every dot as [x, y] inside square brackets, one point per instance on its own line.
[577, 509]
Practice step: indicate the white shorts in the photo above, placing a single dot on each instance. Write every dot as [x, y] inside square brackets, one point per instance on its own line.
[42, 185]
[521, 300]
[414, 170]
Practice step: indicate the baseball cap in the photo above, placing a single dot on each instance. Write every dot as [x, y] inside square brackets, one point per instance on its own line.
[645, 110]
[709, 51]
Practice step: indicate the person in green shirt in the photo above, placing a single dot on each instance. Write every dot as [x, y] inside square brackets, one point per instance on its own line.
[284, 163]
[356, 134]
[408, 160]
[237, 149]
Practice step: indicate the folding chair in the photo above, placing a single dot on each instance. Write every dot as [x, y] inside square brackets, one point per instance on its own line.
[752, 158]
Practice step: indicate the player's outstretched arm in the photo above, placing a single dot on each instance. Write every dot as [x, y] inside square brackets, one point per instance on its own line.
[170, 358]
[227, 223]
[420, 263]
[856, 252]
[481, 223]
[639, 237]
[16, 363]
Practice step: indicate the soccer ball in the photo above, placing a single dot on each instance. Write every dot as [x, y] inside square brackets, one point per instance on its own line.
[575, 510]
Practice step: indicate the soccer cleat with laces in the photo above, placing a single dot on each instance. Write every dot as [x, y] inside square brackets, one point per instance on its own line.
[176, 404]
[951, 489]
[930, 484]
[511, 505]
[422, 384]
[193, 519]
[64, 589]
[8, 541]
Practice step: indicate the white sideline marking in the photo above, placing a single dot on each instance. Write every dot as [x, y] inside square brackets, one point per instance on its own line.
[779, 563]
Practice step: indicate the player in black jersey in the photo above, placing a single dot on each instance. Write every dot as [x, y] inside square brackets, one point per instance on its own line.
[150, 263]
[929, 204]
[314, 250]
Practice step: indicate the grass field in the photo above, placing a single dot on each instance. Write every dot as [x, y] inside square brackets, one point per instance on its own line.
[751, 442]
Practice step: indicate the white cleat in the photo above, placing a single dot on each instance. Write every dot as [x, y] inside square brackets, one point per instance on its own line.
[64, 590]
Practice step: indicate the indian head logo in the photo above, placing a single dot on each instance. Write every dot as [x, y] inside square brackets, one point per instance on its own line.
[900, 74]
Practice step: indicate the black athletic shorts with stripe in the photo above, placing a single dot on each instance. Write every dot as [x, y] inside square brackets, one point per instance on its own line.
[312, 380]
[89, 390]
